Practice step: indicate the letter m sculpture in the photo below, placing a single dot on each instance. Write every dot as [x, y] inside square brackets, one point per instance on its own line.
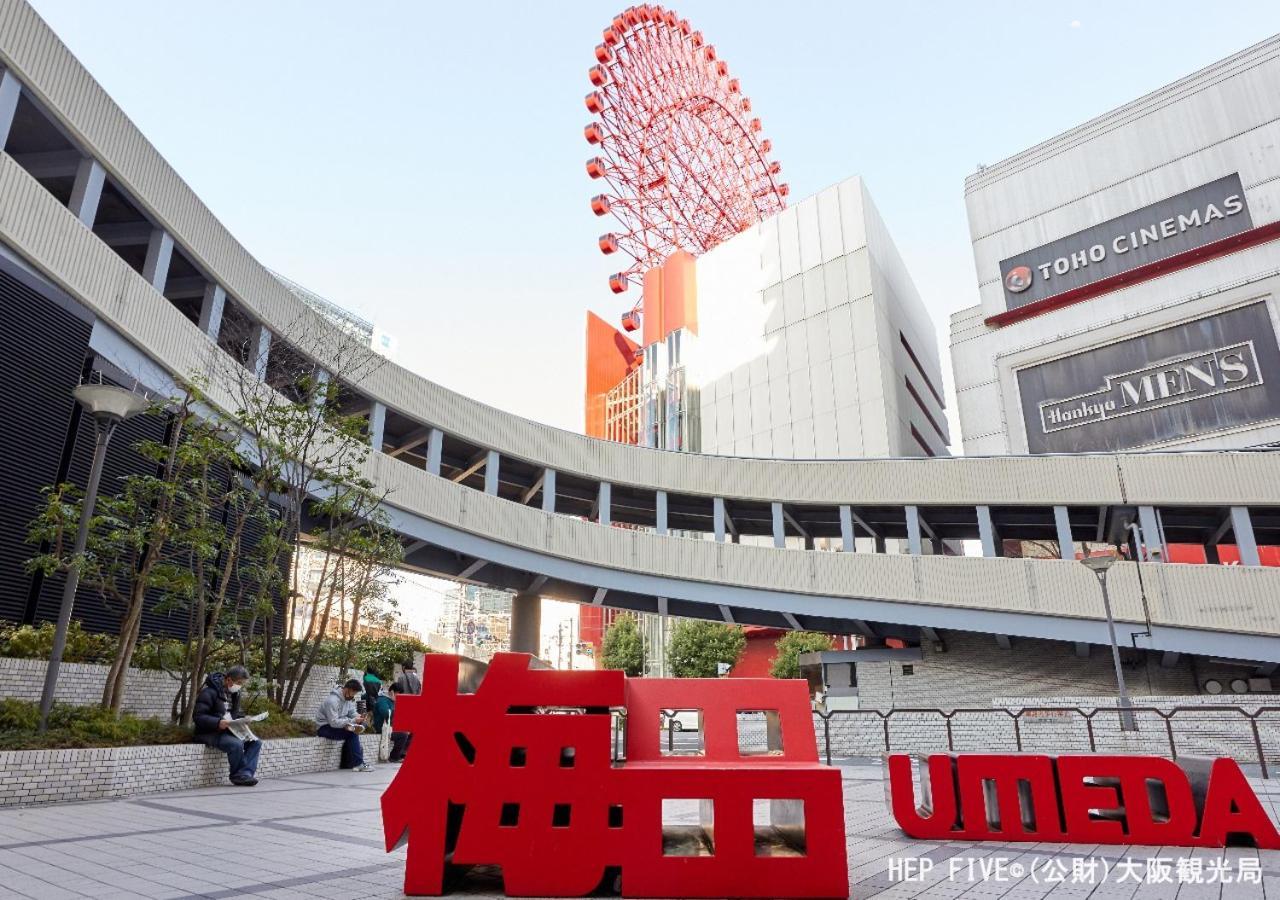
[495, 778]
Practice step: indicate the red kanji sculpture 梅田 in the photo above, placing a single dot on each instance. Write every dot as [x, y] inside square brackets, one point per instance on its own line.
[493, 780]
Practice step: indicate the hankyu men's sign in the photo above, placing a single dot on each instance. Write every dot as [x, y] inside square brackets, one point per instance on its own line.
[1192, 219]
[1217, 372]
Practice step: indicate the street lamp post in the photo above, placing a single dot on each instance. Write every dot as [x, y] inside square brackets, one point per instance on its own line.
[1099, 565]
[109, 406]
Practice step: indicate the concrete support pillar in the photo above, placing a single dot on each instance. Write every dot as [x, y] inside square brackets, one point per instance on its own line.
[1152, 537]
[604, 503]
[987, 531]
[491, 463]
[320, 393]
[377, 426]
[779, 526]
[87, 191]
[259, 349]
[717, 518]
[159, 251]
[913, 531]
[435, 444]
[660, 512]
[879, 544]
[846, 529]
[211, 307]
[1242, 525]
[526, 623]
[1211, 555]
[549, 490]
[10, 90]
[1066, 546]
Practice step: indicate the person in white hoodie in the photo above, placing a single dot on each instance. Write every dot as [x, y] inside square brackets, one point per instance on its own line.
[337, 720]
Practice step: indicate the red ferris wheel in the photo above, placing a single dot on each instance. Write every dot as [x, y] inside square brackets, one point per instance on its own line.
[683, 158]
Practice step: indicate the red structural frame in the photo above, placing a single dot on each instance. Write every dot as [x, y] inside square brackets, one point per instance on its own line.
[1260, 235]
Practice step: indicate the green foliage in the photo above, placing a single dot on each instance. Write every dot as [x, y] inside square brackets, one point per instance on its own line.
[698, 647]
[80, 726]
[279, 724]
[623, 648]
[27, 642]
[787, 663]
[367, 651]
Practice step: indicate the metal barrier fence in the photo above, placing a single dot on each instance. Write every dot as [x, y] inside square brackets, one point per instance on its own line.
[1251, 737]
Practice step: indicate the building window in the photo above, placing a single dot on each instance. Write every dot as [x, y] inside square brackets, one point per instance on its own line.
[919, 438]
[919, 368]
[908, 669]
[911, 389]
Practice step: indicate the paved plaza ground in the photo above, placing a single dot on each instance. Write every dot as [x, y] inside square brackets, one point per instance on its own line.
[319, 835]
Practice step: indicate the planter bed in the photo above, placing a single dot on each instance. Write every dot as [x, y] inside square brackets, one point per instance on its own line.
[34, 777]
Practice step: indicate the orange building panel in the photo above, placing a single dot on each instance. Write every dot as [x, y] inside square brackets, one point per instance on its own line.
[611, 357]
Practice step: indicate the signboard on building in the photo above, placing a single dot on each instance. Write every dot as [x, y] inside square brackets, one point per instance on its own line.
[1191, 219]
[1210, 374]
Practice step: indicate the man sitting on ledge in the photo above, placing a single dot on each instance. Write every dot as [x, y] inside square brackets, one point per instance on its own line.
[337, 720]
[216, 705]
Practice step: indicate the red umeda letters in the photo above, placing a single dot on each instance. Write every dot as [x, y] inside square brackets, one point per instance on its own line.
[936, 817]
[1126, 789]
[1022, 791]
[1231, 807]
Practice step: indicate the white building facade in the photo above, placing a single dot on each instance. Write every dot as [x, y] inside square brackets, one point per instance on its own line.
[813, 342]
[1128, 272]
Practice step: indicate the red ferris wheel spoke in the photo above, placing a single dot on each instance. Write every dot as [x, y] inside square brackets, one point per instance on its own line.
[678, 149]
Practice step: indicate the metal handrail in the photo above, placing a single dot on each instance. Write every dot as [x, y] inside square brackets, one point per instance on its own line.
[1166, 715]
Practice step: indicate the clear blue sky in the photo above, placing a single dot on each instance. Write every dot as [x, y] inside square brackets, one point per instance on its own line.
[422, 163]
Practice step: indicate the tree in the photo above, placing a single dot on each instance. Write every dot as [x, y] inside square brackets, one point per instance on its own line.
[787, 663]
[155, 535]
[622, 646]
[698, 647]
[309, 448]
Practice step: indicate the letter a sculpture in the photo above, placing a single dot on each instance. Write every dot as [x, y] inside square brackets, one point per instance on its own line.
[494, 778]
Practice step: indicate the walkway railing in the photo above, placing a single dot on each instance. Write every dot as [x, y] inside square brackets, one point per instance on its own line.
[1250, 736]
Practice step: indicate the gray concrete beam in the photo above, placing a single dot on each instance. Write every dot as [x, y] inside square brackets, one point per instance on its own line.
[549, 490]
[10, 91]
[492, 461]
[377, 426]
[526, 623]
[159, 253]
[259, 350]
[779, 525]
[1242, 527]
[717, 519]
[846, 529]
[987, 531]
[660, 511]
[604, 503]
[913, 531]
[435, 447]
[211, 308]
[1062, 522]
[86, 192]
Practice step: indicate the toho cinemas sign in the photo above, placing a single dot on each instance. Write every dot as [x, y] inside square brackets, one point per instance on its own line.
[1189, 220]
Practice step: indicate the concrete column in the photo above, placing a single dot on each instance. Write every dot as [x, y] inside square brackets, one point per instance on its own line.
[604, 503]
[1152, 539]
[779, 526]
[526, 623]
[10, 90]
[159, 251]
[211, 307]
[1066, 547]
[377, 426]
[1242, 525]
[549, 490]
[491, 463]
[87, 191]
[660, 512]
[846, 529]
[987, 531]
[435, 444]
[717, 517]
[879, 544]
[320, 392]
[259, 349]
[913, 531]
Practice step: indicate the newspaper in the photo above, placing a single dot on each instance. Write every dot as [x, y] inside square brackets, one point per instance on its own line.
[240, 727]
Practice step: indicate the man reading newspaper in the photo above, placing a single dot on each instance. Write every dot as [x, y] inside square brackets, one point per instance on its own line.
[220, 724]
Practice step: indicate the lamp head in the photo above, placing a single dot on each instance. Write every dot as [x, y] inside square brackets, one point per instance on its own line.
[1098, 563]
[107, 403]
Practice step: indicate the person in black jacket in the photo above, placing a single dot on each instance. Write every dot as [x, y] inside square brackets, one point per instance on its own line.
[216, 705]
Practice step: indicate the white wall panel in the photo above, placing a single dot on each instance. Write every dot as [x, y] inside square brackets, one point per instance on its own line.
[801, 394]
[761, 420]
[858, 273]
[773, 309]
[810, 243]
[825, 444]
[802, 439]
[835, 278]
[829, 231]
[840, 329]
[849, 431]
[820, 376]
[853, 228]
[789, 242]
[782, 445]
[780, 400]
[770, 252]
[815, 299]
[818, 338]
[776, 355]
[844, 379]
[792, 300]
[797, 346]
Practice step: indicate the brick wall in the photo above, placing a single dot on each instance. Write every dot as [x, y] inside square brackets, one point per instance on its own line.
[973, 669]
[54, 776]
[149, 693]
